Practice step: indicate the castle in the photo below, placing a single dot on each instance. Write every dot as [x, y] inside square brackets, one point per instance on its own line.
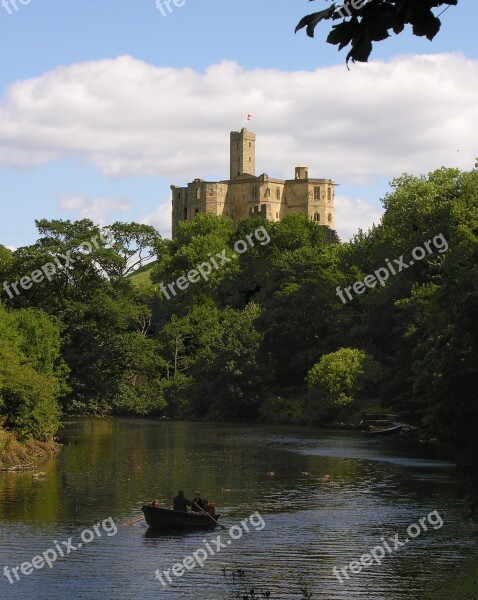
[246, 194]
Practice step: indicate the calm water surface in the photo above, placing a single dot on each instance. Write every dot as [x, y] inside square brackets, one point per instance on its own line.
[373, 488]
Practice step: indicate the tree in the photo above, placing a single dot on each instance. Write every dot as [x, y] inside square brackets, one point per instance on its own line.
[422, 324]
[5, 260]
[445, 374]
[228, 378]
[134, 245]
[103, 316]
[195, 243]
[368, 21]
[30, 373]
[141, 390]
[300, 318]
[337, 381]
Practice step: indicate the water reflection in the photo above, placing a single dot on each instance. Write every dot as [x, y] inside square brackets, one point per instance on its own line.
[327, 498]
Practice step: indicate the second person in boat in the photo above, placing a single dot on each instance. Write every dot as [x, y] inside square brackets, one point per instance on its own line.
[181, 503]
[197, 502]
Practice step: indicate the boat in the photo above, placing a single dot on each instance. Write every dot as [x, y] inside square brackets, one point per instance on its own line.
[380, 430]
[167, 518]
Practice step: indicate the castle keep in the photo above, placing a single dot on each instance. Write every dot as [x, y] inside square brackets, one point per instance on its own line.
[246, 194]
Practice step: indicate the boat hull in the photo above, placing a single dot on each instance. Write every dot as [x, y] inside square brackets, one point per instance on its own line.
[396, 428]
[163, 518]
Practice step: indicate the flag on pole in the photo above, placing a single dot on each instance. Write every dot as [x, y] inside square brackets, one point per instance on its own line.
[249, 117]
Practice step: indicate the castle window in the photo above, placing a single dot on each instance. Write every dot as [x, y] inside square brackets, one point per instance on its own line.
[198, 193]
[185, 213]
[317, 217]
[249, 144]
[267, 193]
[329, 194]
[316, 193]
[250, 159]
[254, 192]
[197, 210]
[330, 217]
[278, 193]
[179, 195]
[277, 215]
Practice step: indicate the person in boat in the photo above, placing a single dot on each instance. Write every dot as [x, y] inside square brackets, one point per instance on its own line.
[181, 503]
[206, 506]
[197, 502]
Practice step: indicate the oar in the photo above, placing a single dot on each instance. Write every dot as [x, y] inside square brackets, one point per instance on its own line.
[208, 515]
[129, 524]
[137, 520]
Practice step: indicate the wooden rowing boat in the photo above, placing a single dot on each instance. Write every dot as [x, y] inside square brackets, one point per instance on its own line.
[165, 518]
[380, 430]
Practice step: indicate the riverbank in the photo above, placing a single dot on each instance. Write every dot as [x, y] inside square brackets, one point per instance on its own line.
[462, 585]
[14, 453]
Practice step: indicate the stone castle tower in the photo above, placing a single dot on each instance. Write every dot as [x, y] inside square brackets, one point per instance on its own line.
[242, 153]
[246, 194]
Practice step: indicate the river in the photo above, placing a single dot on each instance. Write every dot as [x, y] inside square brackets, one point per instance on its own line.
[325, 498]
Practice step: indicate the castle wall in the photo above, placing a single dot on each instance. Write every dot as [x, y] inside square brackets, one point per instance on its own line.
[256, 196]
[321, 198]
[198, 197]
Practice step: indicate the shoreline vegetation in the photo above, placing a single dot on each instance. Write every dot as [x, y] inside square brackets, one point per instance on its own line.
[267, 337]
[21, 454]
[14, 453]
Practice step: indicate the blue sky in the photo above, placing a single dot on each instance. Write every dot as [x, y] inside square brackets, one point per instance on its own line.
[53, 166]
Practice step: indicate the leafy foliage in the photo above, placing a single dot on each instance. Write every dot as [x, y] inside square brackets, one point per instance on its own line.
[368, 21]
[31, 373]
[337, 381]
[102, 316]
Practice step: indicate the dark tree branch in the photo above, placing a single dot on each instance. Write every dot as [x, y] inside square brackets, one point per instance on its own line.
[368, 21]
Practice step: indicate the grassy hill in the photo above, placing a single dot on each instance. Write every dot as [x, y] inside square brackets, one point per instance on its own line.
[142, 277]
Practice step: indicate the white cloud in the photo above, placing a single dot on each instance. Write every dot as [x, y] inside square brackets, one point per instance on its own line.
[352, 214]
[131, 118]
[413, 113]
[160, 219]
[95, 209]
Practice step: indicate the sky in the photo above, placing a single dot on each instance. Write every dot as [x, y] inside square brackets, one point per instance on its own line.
[106, 103]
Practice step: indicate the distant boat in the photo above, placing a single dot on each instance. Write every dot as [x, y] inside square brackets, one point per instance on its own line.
[165, 518]
[381, 430]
